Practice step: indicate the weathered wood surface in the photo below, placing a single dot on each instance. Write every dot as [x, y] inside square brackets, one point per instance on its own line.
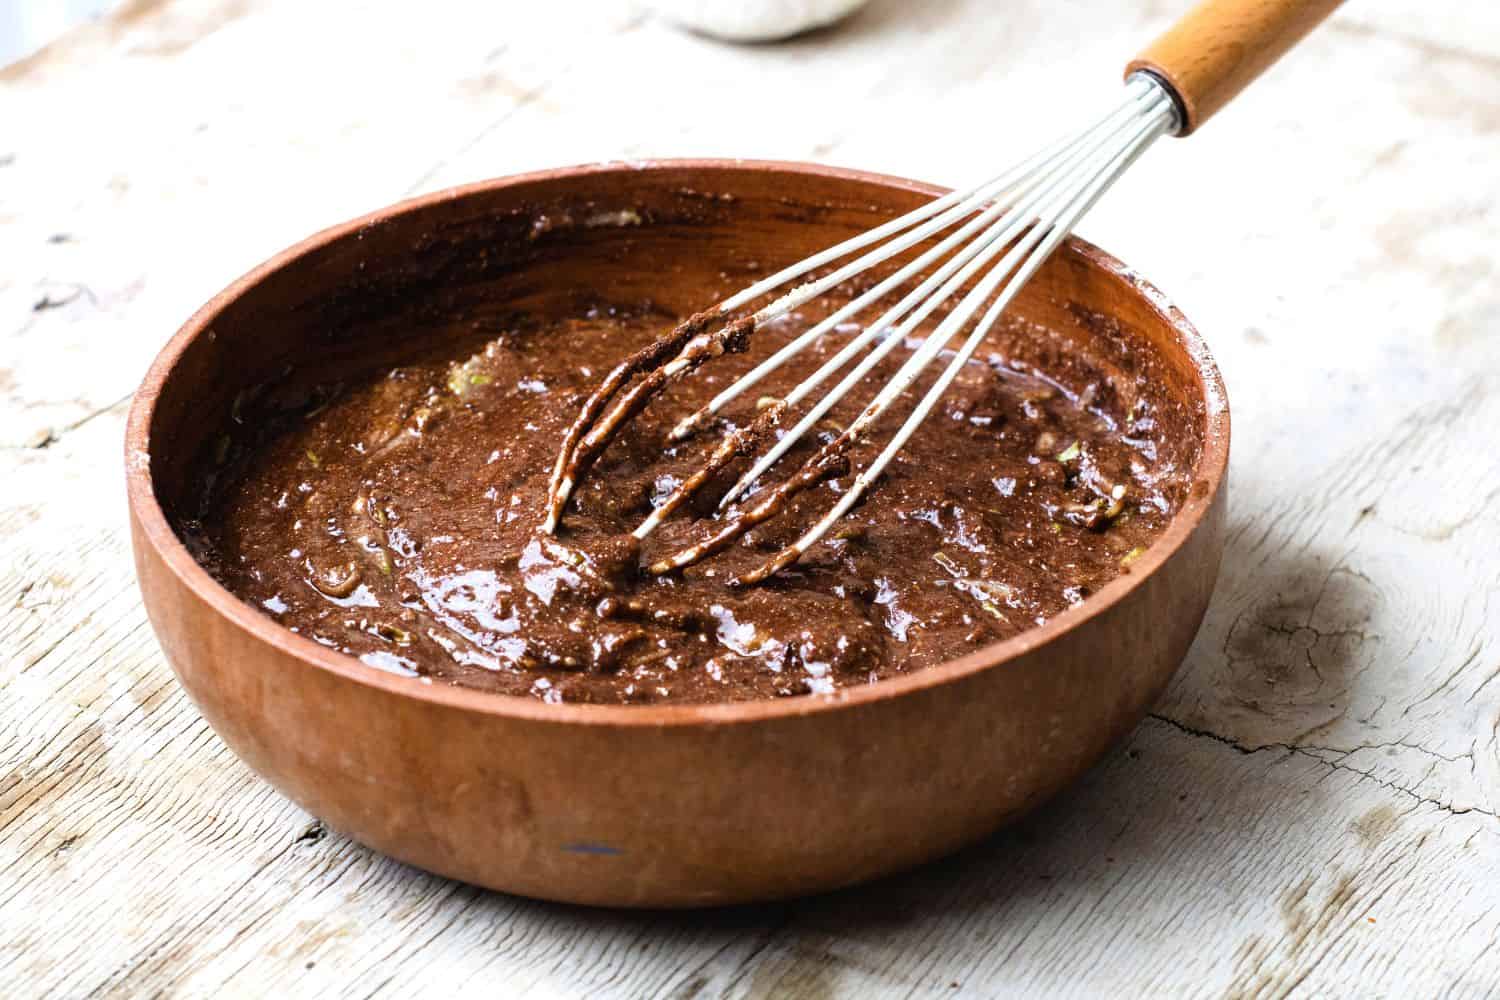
[1312, 808]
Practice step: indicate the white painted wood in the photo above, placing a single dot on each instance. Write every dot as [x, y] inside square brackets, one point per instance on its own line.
[1311, 811]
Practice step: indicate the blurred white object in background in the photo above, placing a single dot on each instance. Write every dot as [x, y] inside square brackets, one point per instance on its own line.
[27, 25]
[753, 20]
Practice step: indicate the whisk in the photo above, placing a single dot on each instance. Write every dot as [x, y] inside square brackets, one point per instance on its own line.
[1005, 229]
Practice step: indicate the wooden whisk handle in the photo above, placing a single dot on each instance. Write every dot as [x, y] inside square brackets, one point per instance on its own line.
[1219, 46]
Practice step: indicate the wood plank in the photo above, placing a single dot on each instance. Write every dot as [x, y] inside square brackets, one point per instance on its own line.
[1311, 811]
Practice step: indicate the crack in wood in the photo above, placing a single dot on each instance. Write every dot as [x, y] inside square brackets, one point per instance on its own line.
[1311, 752]
[46, 437]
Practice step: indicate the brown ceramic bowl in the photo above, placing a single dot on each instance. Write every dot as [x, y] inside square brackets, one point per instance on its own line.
[641, 805]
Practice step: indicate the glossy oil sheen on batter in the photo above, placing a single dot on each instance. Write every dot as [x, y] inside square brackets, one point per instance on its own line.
[395, 520]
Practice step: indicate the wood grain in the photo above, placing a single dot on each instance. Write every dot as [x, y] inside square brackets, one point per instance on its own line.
[1328, 756]
[1216, 49]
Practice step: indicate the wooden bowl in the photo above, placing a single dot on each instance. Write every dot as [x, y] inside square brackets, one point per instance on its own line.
[642, 805]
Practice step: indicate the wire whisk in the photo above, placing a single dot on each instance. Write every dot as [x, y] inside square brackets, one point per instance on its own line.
[1002, 231]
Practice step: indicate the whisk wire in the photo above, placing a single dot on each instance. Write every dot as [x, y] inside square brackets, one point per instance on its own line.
[1056, 230]
[1013, 219]
[1134, 87]
[1013, 181]
[1019, 216]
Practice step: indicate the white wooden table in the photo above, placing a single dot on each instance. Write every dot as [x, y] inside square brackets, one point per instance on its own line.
[1311, 809]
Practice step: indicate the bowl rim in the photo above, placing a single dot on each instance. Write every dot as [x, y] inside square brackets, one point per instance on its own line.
[157, 532]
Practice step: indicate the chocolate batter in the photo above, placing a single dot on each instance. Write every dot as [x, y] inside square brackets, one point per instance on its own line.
[396, 519]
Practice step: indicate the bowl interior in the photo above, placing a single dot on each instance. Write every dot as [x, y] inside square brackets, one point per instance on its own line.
[676, 237]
